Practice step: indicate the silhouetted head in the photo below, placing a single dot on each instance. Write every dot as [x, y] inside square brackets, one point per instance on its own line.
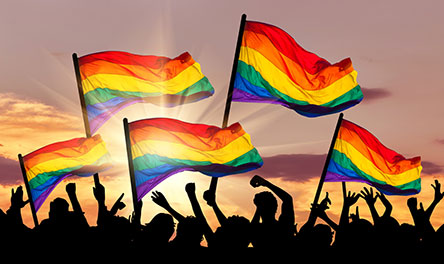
[267, 202]
[189, 231]
[323, 235]
[235, 233]
[161, 227]
[58, 208]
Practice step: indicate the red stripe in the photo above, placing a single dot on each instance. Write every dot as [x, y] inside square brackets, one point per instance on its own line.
[373, 143]
[75, 142]
[173, 125]
[120, 57]
[288, 46]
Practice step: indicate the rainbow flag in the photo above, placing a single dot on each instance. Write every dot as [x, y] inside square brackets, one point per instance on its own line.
[49, 165]
[359, 156]
[113, 80]
[162, 147]
[273, 68]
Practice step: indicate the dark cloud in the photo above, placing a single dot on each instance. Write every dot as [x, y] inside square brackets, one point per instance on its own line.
[431, 168]
[10, 172]
[292, 167]
[372, 94]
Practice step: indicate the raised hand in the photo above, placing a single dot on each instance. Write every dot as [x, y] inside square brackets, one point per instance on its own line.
[368, 196]
[71, 188]
[160, 199]
[257, 181]
[99, 193]
[17, 198]
[355, 216]
[438, 194]
[118, 205]
[190, 188]
[325, 202]
[210, 197]
[351, 198]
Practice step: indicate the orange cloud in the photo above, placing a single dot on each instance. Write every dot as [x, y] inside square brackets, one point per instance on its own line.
[27, 124]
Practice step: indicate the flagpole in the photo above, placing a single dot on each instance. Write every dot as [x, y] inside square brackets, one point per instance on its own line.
[327, 160]
[28, 190]
[130, 165]
[214, 180]
[75, 61]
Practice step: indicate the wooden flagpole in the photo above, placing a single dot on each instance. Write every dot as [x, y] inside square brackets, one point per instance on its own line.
[75, 61]
[131, 166]
[28, 190]
[327, 160]
[214, 180]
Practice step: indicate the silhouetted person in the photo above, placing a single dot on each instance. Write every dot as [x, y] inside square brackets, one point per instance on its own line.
[64, 228]
[314, 236]
[234, 232]
[12, 230]
[346, 230]
[112, 231]
[421, 217]
[268, 232]
[189, 231]
[157, 233]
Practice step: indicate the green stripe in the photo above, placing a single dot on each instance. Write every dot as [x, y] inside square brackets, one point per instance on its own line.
[103, 94]
[254, 77]
[353, 94]
[149, 161]
[342, 160]
[44, 177]
[41, 178]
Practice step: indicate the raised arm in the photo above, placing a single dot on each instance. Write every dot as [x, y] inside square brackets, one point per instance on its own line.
[210, 197]
[370, 199]
[322, 207]
[287, 201]
[349, 200]
[71, 190]
[99, 194]
[190, 188]
[17, 203]
[437, 198]
[160, 200]
[387, 204]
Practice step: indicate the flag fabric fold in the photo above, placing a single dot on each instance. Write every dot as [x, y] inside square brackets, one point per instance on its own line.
[49, 165]
[273, 68]
[113, 80]
[161, 147]
[359, 156]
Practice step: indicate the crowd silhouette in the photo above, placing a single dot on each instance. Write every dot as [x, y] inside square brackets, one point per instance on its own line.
[266, 231]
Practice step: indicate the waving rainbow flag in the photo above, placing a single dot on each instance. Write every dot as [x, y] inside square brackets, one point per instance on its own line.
[49, 165]
[113, 80]
[162, 147]
[273, 68]
[359, 156]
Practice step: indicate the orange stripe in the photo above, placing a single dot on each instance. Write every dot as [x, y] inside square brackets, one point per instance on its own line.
[218, 140]
[162, 73]
[294, 70]
[376, 158]
[70, 148]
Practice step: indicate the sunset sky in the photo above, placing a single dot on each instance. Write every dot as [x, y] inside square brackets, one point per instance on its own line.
[395, 46]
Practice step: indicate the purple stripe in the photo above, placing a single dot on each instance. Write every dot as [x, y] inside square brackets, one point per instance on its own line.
[384, 188]
[42, 197]
[306, 110]
[98, 121]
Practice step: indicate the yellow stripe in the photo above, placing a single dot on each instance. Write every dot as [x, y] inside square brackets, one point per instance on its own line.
[88, 158]
[228, 153]
[368, 167]
[180, 82]
[282, 82]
